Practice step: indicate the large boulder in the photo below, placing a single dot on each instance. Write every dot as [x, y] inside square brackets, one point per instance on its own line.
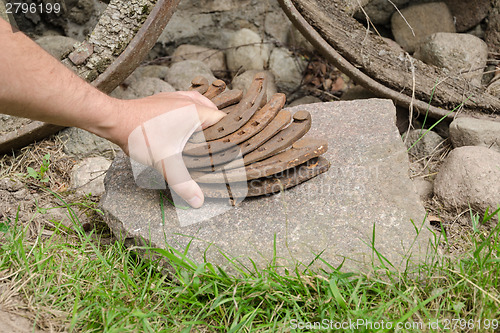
[469, 178]
[365, 193]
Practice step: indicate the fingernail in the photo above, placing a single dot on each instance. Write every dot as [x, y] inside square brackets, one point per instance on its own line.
[195, 202]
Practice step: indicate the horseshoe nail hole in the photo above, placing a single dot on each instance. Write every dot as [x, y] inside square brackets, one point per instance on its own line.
[238, 118]
[222, 155]
[280, 139]
[220, 129]
[261, 149]
[255, 123]
[196, 159]
[225, 140]
[241, 132]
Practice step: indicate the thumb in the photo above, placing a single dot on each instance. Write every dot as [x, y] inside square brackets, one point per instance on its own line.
[208, 116]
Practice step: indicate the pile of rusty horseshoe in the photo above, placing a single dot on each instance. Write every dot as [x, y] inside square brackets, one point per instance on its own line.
[258, 146]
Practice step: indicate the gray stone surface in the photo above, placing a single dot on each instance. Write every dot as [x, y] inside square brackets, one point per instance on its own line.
[367, 185]
[57, 46]
[182, 73]
[88, 175]
[79, 143]
[475, 132]
[469, 176]
[305, 100]
[463, 54]
[424, 20]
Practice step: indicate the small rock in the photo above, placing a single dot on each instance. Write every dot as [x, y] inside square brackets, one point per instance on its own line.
[425, 20]
[10, 184]
[215, 59]
[428, 142]
[494, 88]
[253, 55]
[352, 6]
[80, 143]
[88, 175]
[475, 132]
[425, 188]
[305, 100]
[61, 215]
[297, 41]
[243, 81]
[394, 47]
[379, 11]
[468, 13]
[182, 73]
[147, 86]
[277, 25]
[492, 33]
[470, 175]
[460, 53]
[287, 69]
[357, 92]
[57, 46]
[155, 71]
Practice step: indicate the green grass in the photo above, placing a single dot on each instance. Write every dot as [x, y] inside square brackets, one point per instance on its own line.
[87, 287]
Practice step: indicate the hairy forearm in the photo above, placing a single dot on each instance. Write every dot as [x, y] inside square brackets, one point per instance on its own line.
[35, 85]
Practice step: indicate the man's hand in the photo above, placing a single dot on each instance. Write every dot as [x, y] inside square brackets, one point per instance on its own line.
[154, 130]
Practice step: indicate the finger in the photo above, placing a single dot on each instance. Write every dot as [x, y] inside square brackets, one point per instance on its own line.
[177, 176]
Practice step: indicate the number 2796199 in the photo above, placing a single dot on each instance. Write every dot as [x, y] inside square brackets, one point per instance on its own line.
[33, 8]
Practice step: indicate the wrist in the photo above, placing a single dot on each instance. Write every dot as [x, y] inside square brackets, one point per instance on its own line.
[104, 118]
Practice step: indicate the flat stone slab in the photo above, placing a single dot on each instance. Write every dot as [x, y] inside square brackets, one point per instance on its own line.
[333, 214]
